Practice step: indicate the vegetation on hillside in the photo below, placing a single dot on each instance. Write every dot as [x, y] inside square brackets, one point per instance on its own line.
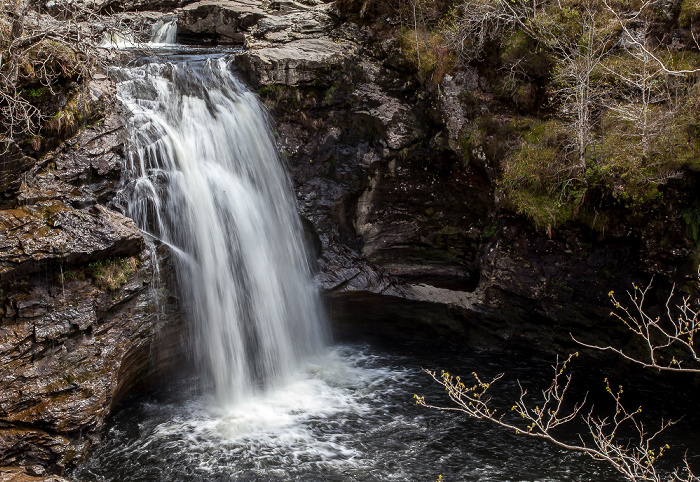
[46, 55]
[604, 94]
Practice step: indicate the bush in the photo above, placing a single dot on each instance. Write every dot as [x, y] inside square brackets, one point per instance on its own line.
[689, 13]
[428, 54]
[108, 275]
[538, 178]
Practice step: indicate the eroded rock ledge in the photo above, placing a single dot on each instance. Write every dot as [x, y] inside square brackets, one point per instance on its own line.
[80, 310]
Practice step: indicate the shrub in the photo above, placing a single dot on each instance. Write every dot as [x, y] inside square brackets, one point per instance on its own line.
[689, 13]
[113, 274]
[428, 53]
[538, 178]
[109, 274]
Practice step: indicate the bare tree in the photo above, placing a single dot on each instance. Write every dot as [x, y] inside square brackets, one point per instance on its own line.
[482, 21]
[669, 341]
[648, 90]
[605, 438]
[39, 50]
[579, 98]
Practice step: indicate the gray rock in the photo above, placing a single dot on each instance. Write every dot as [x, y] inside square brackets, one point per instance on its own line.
[223, 19]
[296, 25]
[295, 63]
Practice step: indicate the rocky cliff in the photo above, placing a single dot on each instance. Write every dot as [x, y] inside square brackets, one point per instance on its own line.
[408, 219]
[80, 310]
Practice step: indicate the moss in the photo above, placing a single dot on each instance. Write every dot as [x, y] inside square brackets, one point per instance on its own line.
[537, 177]
[108, 275]
[34, 93]
[428, 53]
[689, 13]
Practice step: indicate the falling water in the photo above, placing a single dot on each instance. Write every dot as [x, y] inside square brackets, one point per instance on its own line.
[205, 178]
[164, 31]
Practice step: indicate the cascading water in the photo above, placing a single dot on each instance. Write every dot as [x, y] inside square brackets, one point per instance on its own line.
[163, 34]
[204, 177]
[164, 31]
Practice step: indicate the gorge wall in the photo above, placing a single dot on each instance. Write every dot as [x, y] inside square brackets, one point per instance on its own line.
[405, 220]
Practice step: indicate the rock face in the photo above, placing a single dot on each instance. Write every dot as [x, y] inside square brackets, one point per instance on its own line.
[254, 23]
[410, 237]
[80, 310]
[48, 232]
[296, 63]
[220, 20]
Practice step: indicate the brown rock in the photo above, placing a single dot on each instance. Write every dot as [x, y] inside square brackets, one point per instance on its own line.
[52, 232]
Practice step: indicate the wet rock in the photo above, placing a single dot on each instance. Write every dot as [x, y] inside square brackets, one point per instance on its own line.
[13, 163]
[33, 445]
[47, 233]
[83, 171]
[69, 351]
[81, 316]
[27, 474]
[452, 88]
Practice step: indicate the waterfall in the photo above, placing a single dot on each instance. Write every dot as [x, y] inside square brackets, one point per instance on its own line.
[204, 177]
[164, 31]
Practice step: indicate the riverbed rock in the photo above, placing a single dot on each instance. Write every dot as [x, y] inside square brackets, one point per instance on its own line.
[220, 20]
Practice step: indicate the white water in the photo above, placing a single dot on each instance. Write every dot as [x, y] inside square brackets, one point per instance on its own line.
[281, 424]
[163, 34]
[204, 177]
[164, 31]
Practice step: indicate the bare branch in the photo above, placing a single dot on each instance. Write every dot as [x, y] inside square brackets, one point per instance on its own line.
[634, 456]
[668, 341]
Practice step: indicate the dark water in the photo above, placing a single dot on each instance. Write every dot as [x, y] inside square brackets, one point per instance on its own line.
[351, 415]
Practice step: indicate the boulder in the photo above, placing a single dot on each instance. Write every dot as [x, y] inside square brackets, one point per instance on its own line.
[220, 20]
[296, 24]
[295, 63]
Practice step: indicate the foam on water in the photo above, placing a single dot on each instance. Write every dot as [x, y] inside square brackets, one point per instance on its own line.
[304, 425]
[164, 31]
